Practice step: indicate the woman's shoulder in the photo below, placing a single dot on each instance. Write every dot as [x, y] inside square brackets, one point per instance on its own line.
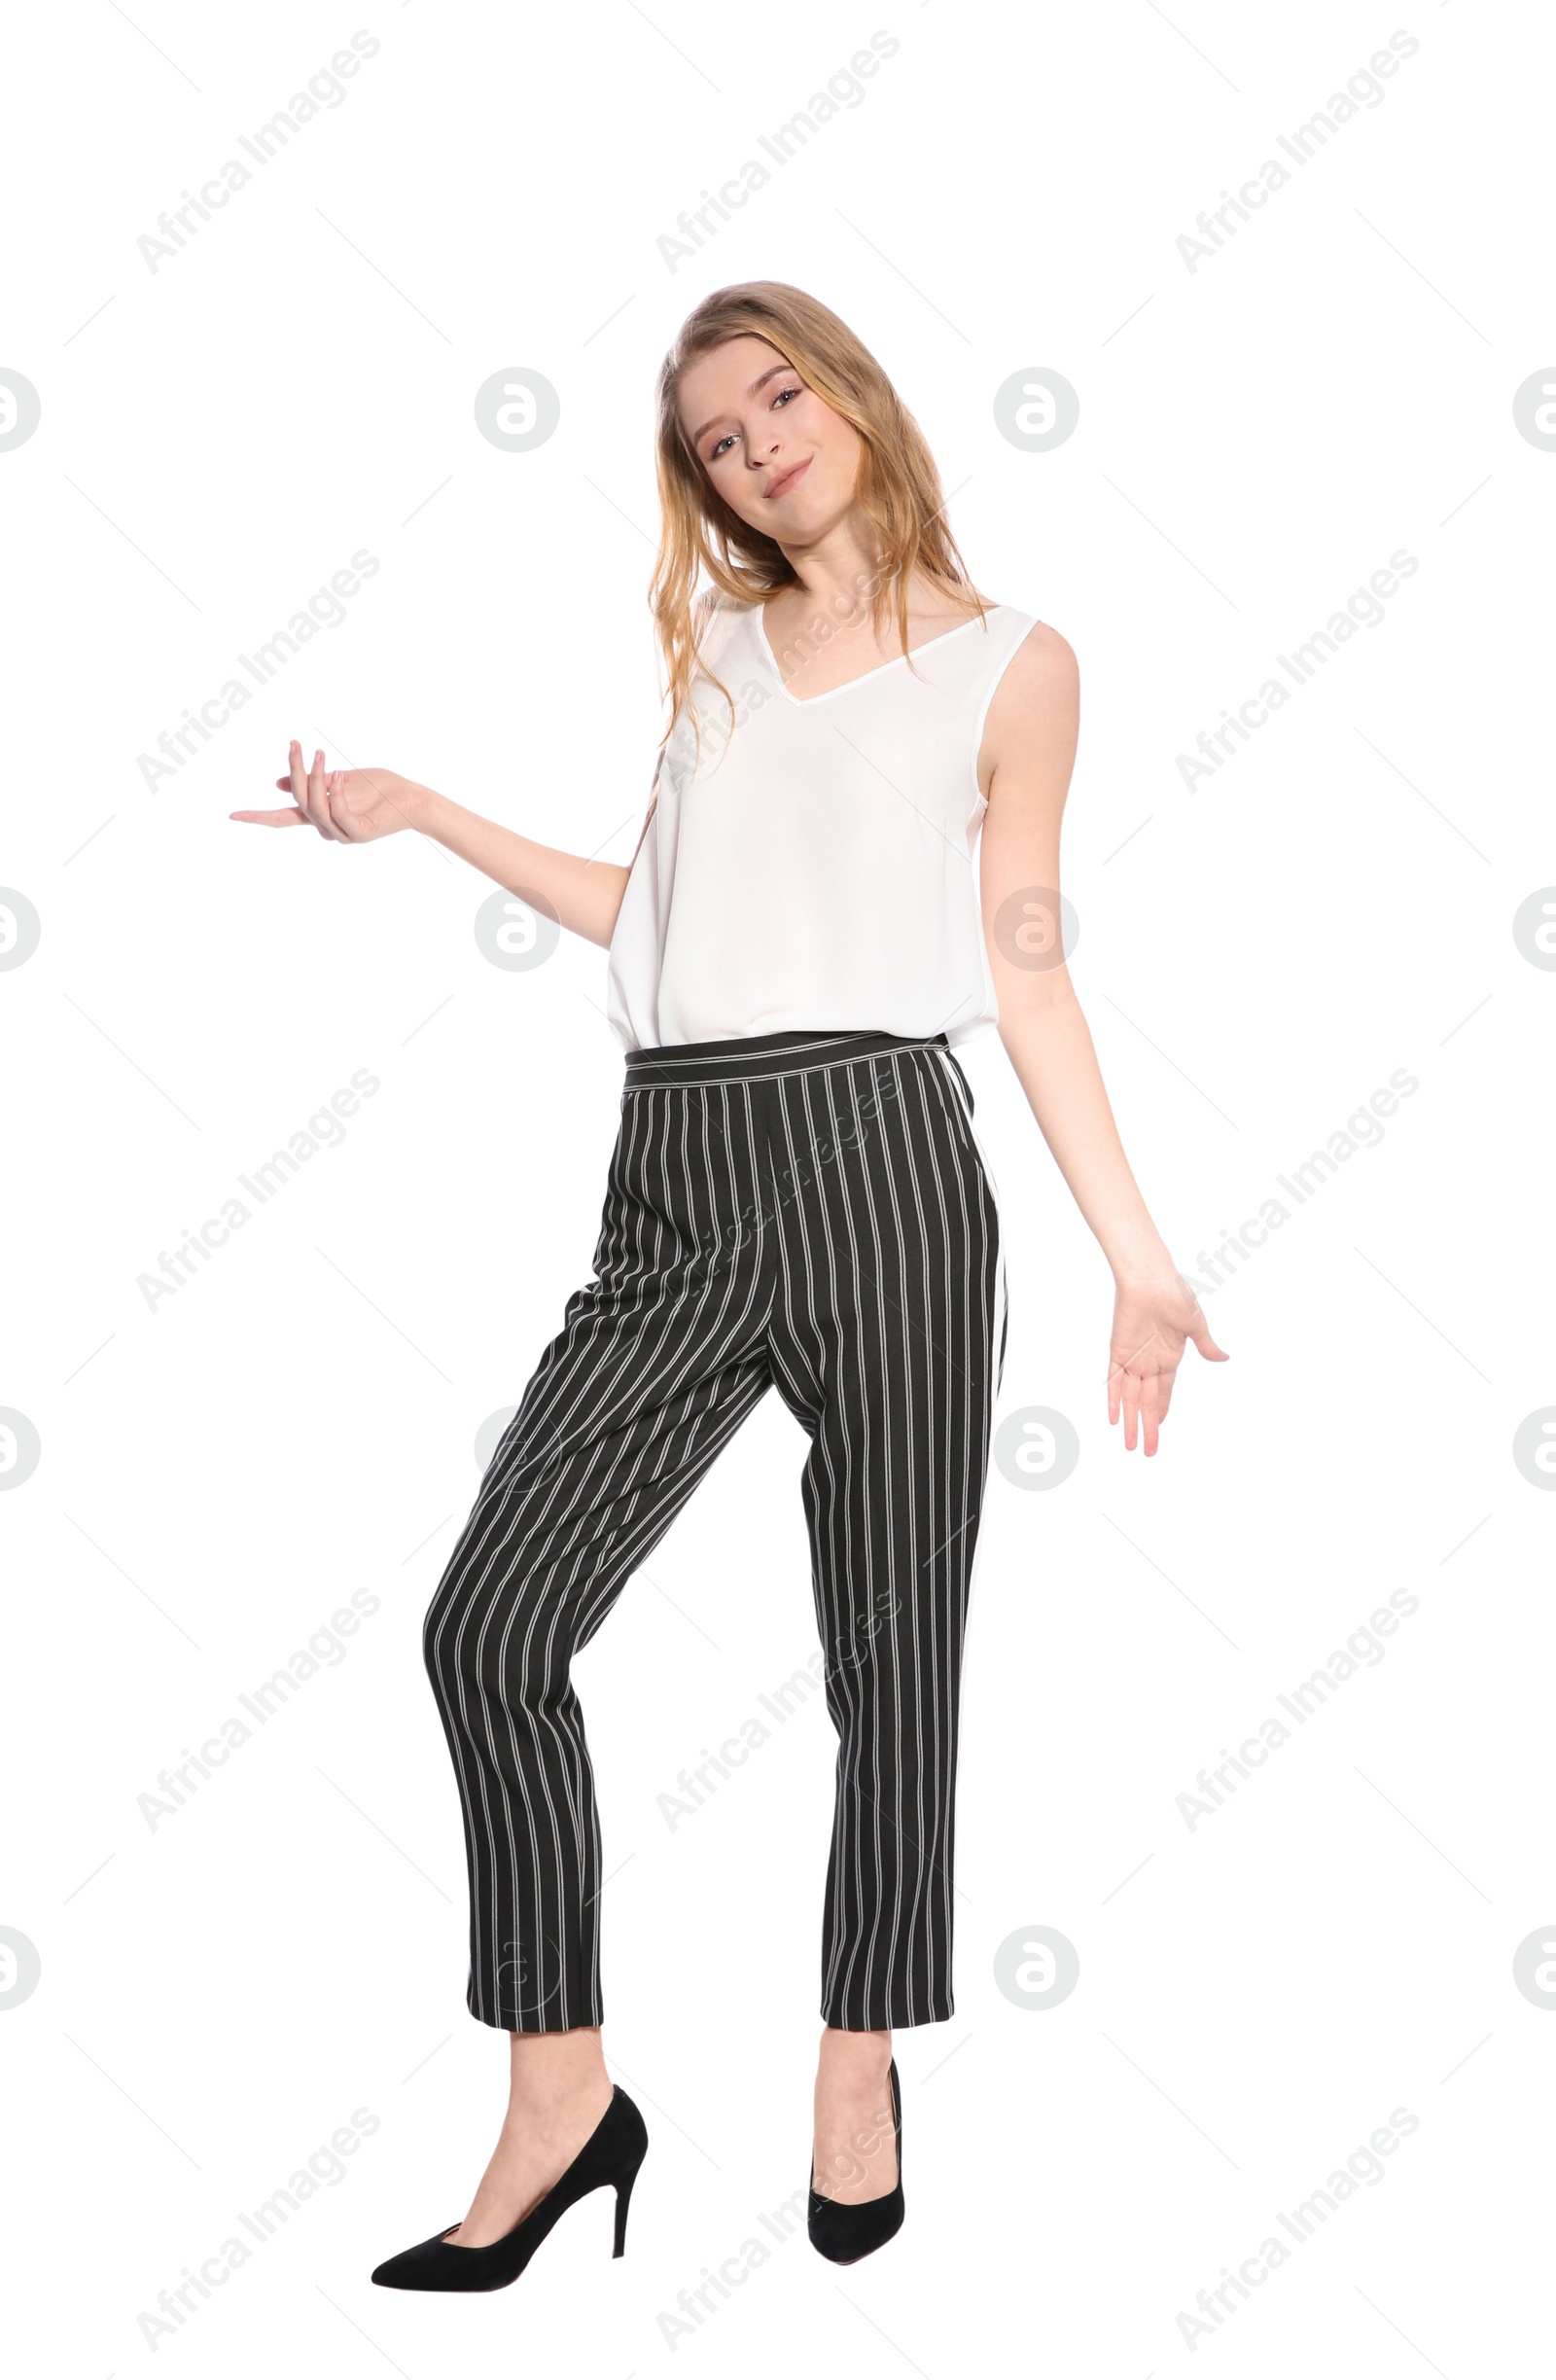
[710, 604]
[715, 619]
[1036, 696]
[1040, 655]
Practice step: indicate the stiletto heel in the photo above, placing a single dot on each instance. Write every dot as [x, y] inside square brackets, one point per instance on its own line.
[623, 2199]
[845, 2234]
[609, 2159]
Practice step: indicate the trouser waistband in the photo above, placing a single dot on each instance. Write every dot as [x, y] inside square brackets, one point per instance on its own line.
[761, 1057]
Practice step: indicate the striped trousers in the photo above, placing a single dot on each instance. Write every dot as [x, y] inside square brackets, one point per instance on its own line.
[805, 1211]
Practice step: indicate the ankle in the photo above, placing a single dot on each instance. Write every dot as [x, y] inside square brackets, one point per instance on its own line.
[554, 2077]
[849, 2058]
[559, 2094]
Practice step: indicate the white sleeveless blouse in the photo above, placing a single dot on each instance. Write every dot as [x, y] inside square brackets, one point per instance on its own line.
[817, 867]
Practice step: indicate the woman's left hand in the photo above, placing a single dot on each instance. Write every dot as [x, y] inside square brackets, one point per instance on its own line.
[1152, 1322]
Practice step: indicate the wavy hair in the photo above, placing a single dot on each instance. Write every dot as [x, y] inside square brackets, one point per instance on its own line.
[707, 551]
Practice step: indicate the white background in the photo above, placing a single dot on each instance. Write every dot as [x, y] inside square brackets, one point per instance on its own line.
[220, 1992]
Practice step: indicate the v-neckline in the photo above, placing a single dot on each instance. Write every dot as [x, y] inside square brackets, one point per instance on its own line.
[864, 675]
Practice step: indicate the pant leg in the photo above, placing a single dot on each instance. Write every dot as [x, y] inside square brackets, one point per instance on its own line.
[659, 1359]
[886, 1343]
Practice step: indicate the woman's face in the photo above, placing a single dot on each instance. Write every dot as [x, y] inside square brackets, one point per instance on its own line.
[777, 454]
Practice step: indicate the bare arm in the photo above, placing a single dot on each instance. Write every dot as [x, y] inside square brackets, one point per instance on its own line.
[1028, 752]
[586, 894]
[361, 805]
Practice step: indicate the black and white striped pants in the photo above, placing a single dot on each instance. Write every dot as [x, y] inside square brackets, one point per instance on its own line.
[808, 1211]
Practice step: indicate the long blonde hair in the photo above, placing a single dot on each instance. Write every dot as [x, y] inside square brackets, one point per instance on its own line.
[707, 551]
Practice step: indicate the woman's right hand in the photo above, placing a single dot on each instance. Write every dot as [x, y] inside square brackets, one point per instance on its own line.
[347, 805]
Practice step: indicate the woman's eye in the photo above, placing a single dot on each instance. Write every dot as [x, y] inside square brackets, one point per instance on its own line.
[722, 445]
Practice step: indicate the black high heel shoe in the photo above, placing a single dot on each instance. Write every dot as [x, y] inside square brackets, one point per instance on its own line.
[845, 2234]
[609, 2159]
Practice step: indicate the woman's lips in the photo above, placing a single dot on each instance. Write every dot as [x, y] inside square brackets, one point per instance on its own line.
[786, 479]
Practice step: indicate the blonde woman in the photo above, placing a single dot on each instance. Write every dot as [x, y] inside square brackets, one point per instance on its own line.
[850, 865]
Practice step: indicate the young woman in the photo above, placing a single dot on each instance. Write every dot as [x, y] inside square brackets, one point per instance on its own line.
[850, 864]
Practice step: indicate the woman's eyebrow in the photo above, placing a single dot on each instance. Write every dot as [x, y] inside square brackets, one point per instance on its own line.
[760, 382]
